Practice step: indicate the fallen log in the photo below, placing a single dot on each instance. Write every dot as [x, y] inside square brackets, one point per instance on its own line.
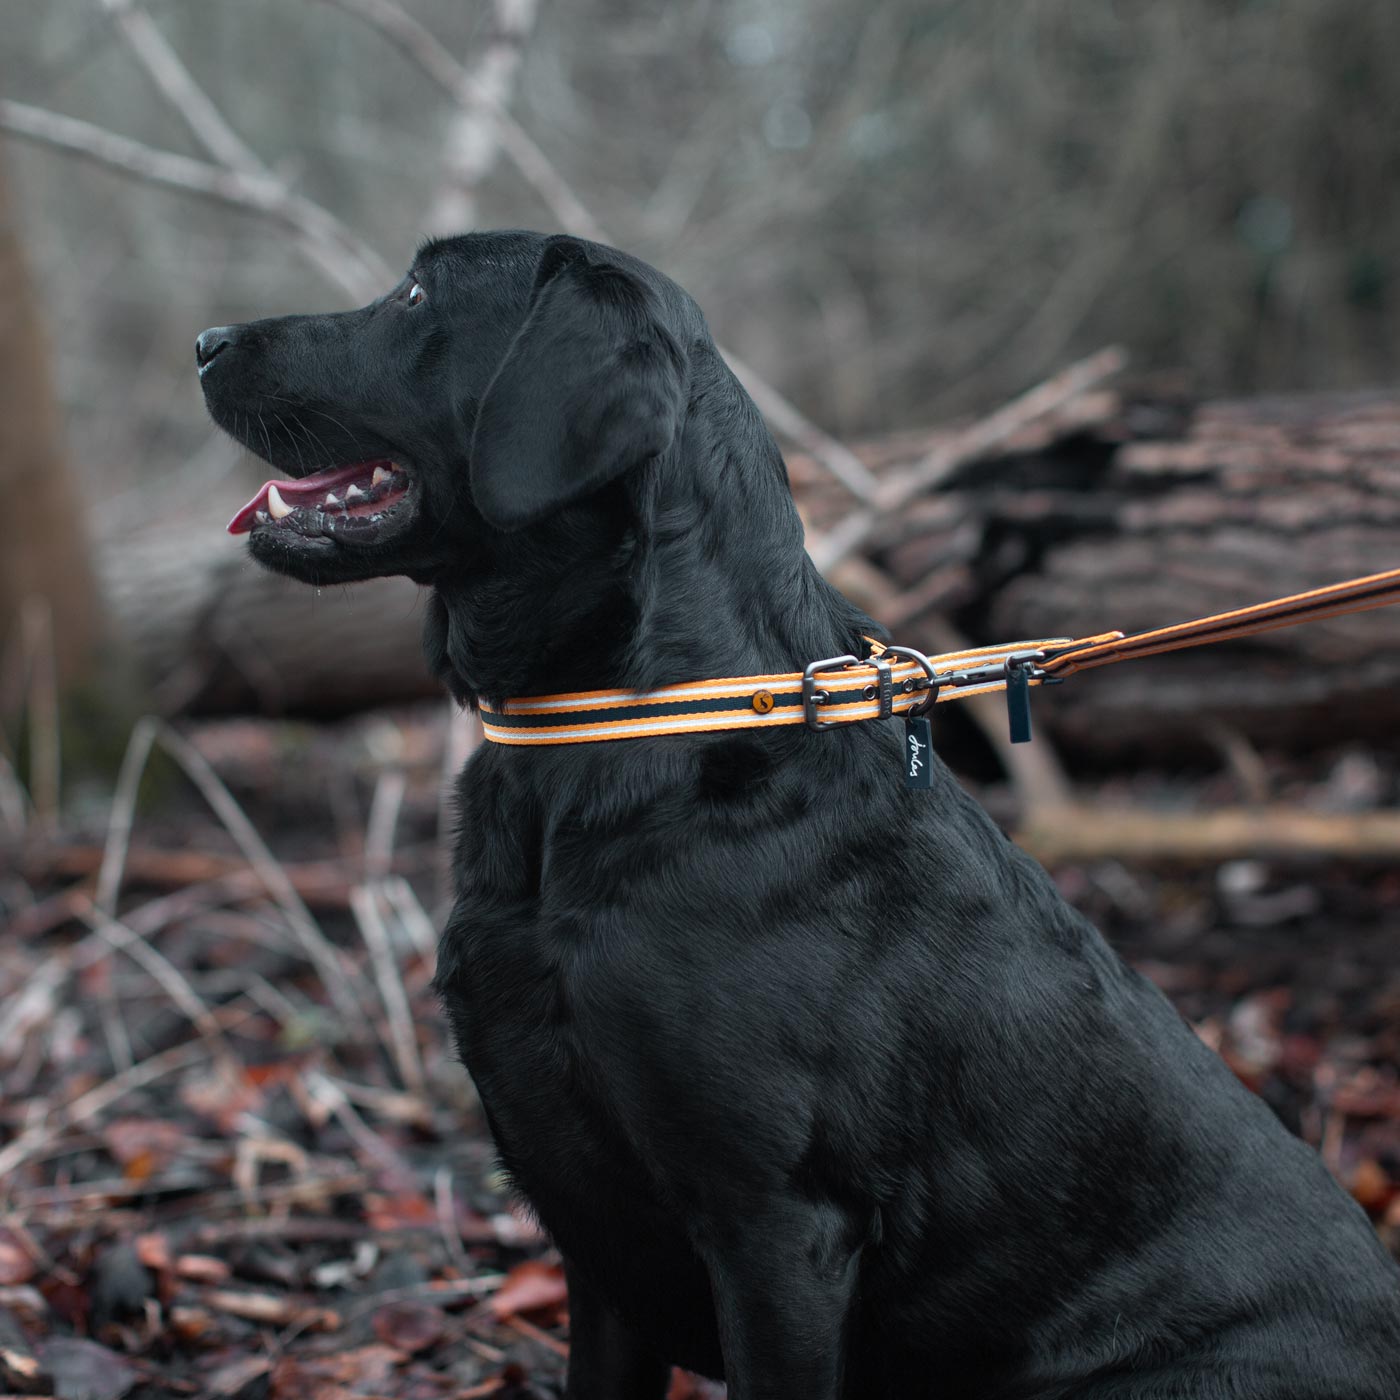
[1113, 510]
[1153, 511]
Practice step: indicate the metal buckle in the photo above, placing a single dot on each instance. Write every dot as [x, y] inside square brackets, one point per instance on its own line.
[920, 707]
[812, 697]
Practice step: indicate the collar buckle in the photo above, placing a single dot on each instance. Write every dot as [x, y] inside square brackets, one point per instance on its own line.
[812, 697]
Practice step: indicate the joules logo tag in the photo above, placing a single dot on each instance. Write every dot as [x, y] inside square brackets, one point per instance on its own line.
[918, 740]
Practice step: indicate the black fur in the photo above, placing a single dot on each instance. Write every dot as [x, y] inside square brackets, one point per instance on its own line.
[818, 1084]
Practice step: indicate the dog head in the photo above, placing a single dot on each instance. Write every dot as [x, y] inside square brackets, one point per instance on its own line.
[507, 376]
[543, 430]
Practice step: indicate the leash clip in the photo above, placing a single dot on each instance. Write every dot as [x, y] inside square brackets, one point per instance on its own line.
[920, 707]
[812, 697]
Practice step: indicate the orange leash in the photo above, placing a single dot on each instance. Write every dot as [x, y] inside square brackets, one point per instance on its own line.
[1352, 595]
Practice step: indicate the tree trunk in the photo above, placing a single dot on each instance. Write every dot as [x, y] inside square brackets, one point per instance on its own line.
[45, 552]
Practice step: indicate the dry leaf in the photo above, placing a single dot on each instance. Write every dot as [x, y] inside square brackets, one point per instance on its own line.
[534, 1286]
[16, 1263]
[411, 1327]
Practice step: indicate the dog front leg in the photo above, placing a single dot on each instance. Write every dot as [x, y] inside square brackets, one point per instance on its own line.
[607, 1361]
[783, 1278]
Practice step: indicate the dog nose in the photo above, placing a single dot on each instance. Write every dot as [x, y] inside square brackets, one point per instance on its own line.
[212, 343]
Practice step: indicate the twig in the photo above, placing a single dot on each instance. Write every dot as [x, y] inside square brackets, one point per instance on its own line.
[413, 40]
[412, 917]
[790, 422]
[383, 820]
[32, 1141]
[416, 43]
[359, 273]
[971, 444]
[322, 954]
[45, 755]
[332, 1098]
[472, 144]
[446, 1206]
[206, 123]
[341, 255]
[391, 990]
[14, 804]
[536, 1334]
[123, 814]
[169, 977]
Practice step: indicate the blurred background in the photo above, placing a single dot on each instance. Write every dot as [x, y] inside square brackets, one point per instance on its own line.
[1104, 294]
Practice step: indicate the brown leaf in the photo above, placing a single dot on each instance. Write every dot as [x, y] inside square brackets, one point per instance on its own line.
[143, 1146]
[191, 1324]
[16, 1263]
[384, 1213]
[153, 1250]
[237, 1376]
[411, 1327]
[362, 1372]
[534, 1286]
[1370, 1185]
[685, 1386]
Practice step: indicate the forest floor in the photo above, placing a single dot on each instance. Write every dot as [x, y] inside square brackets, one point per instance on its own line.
[238, 1158]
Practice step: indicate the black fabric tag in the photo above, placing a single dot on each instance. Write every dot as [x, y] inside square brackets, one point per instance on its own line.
[1018, 704]
[918, 752]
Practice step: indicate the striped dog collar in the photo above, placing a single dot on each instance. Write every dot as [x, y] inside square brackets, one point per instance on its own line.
[894, 680]
[840, 690]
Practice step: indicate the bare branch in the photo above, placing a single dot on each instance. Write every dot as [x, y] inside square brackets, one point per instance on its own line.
[206, 123]
[473, 142]
[424, 49]
[360, 272]
[981, 438]
[790, 422]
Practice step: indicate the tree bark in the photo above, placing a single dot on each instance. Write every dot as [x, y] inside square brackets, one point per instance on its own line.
[1137, 513]
[45, 553]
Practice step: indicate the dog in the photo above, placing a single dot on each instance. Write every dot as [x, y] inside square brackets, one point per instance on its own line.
[816, 1082]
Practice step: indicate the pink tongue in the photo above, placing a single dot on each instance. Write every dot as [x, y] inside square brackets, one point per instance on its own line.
[307, 491]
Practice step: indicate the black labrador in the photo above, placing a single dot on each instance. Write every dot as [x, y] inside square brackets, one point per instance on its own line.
[816, 1082]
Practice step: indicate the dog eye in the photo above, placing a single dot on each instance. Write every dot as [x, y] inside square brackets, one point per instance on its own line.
[416, 294]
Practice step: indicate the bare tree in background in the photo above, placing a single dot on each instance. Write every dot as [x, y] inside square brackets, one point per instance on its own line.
[46, 552]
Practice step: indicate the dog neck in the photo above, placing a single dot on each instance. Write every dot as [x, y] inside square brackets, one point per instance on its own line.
[689, 568]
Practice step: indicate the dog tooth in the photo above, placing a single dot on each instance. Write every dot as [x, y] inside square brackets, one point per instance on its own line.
[333, 501]
[354, 494]
[277, 508]
[379, 475]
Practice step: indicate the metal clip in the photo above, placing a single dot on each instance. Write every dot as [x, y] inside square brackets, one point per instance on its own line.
[921, 707]
[812, 697]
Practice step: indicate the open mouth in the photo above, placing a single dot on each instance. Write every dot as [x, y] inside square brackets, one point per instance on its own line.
[351, 503]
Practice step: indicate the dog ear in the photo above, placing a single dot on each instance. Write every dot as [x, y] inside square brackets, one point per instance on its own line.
[592, 385]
